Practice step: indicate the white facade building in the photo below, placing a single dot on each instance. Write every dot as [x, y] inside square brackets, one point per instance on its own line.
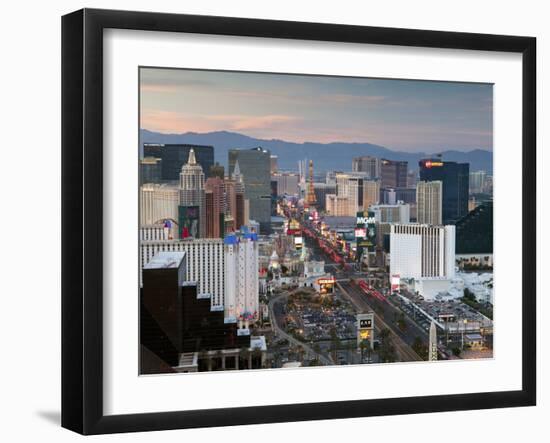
[154, 232]
[429, 204]
[336, 206]
[241, 277]
[157, 203]
[227, 272]
[423, 253]
[287, 183]
[205, 263]
[359, 191]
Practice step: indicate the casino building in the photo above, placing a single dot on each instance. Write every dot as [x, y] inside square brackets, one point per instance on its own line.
[424, 254]
[455, 179]
[180, 331]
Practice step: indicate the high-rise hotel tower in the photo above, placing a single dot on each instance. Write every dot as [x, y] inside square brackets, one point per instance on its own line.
[191, 211]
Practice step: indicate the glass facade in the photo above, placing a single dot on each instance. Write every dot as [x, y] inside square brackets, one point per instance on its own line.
[254, 165]
[456, 181]
[175, 156]
[150, 170]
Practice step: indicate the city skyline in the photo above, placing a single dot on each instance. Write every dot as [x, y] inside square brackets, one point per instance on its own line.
[266, 256]
[405, 115]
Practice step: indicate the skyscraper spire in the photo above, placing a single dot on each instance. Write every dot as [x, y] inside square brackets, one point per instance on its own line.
[192, 160]
[236, 170]
[311, 200]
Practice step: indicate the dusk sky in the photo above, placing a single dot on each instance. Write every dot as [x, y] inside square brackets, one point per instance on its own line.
[402, 115]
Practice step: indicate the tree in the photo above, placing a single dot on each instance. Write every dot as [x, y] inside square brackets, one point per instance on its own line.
[365, 348]
[351, 349]
[317, 348]
[334, 344]
[387, 350]
[300, 351]
[420, 348]
[401, 324]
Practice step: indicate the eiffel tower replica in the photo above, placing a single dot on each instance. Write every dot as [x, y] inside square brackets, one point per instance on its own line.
[310, 198]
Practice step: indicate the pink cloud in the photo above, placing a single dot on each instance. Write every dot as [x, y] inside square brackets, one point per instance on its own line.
[168, 121]
[155, 88]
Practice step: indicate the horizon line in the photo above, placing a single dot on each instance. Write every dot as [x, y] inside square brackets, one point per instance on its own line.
[319, 143]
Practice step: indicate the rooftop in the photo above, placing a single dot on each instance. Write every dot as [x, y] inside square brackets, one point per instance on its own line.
[340, 221]
[165, 260]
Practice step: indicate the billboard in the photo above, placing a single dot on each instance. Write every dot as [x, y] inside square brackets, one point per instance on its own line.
[366, 226]
[189, 221]
[431, 163]
[326, 285]
[395, 281]
[365, 328]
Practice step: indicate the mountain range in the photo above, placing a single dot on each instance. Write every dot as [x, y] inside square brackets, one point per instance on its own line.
[326, 156]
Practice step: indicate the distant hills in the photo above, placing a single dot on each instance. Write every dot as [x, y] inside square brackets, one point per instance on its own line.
[326, 156]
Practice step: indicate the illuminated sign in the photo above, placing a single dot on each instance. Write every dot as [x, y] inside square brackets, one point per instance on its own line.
[294, 224]
[365, 329]
[298, 240]
[326, 281]
[364, 335]
[365, 323]
[360, 233]
[365, 220]
[432, 164]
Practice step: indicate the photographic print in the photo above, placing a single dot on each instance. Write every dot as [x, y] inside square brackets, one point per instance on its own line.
[295, 221]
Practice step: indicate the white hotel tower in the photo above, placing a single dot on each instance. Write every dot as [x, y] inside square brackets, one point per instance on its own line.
[241, 276]
[226, 270]
[424, 253]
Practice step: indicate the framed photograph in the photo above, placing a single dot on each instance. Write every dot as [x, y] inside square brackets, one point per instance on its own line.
[269, 221]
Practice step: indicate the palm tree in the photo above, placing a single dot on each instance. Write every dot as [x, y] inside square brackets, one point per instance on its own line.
[351, 348]
[387, 351]
[301, 353]
[334, 344]
[364, 345]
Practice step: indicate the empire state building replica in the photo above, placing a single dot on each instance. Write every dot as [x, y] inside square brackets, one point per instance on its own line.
[191, 210]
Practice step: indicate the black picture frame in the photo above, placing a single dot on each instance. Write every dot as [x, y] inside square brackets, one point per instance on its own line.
[82, 190]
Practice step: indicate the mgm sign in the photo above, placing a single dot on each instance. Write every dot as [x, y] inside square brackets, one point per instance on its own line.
[365, 329]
